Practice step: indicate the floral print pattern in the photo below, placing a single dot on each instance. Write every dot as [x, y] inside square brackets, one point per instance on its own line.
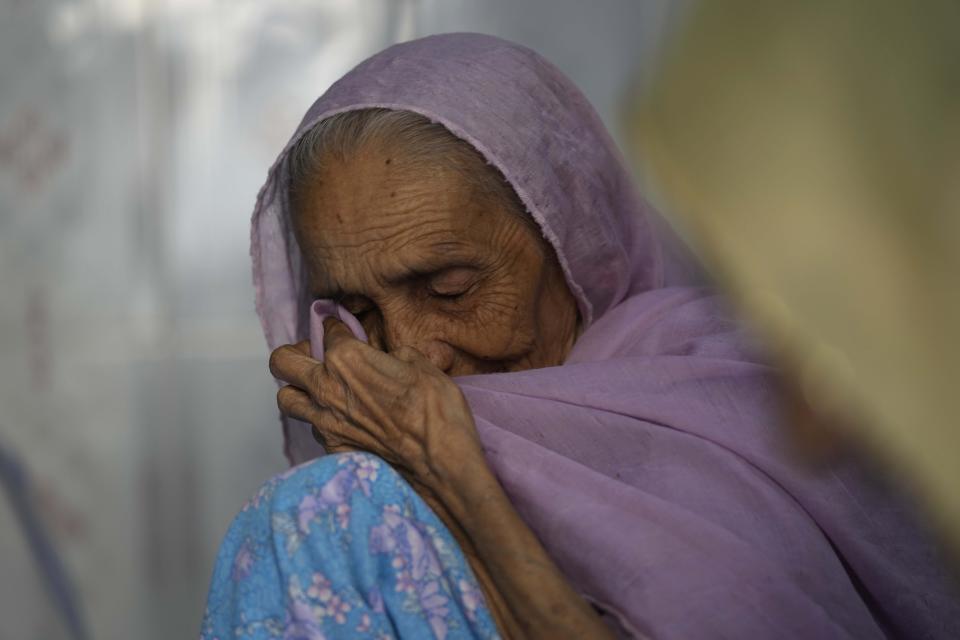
[342, 547]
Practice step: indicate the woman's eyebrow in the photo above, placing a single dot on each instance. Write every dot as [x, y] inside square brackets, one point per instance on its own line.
[427, 269]
[434, 259]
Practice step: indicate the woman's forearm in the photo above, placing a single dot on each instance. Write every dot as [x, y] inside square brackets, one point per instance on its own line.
[400, 406]
[541, 602]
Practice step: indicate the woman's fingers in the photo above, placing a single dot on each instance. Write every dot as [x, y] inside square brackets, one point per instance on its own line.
[297, 404]
[289, 364]
[328, 427]
[410, 355]
[335, 332]
[344, 353]
[355, 383]
[346, 385]
[303, 347]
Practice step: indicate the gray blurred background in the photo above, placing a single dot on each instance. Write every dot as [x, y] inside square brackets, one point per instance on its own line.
[134, 135]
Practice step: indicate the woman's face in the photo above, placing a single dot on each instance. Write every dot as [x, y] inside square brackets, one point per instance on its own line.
[424, 261]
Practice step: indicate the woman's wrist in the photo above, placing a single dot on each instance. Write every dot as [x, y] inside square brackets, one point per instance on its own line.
[464, 482]
[521, 573]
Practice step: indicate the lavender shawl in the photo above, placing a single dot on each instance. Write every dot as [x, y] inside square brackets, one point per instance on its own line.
[649, 463]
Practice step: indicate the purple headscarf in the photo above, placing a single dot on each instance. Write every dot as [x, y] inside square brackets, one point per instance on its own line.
[649, 463]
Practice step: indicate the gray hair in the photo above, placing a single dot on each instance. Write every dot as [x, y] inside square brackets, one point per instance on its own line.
[419, 141]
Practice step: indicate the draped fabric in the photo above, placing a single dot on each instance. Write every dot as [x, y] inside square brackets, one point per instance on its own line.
[650, 463]
[342, 547]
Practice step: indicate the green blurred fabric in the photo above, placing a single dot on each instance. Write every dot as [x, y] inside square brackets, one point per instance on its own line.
[811, 151]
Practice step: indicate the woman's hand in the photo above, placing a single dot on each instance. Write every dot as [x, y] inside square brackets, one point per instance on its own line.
[402, 408]
[396, 405]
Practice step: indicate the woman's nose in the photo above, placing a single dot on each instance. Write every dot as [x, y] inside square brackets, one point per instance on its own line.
[411, 332]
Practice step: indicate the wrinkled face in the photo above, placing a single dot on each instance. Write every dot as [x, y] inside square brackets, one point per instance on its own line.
[424, 261]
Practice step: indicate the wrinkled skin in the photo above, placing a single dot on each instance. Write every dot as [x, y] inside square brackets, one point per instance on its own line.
[446, 283]
[425, 262]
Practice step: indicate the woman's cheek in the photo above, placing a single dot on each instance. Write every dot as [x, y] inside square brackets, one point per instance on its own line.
[506, 335]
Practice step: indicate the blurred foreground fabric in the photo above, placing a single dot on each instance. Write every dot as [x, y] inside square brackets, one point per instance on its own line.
[812, 154]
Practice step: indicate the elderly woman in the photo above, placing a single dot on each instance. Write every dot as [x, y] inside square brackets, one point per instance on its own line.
[533, 427]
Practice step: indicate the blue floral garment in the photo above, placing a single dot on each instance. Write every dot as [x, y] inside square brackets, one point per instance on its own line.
[342, 547]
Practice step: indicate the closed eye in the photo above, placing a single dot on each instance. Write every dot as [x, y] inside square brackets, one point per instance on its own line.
[452, 284]
[447, 295]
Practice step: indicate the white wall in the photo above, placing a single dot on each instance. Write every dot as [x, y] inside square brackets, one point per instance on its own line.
[133, 138]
